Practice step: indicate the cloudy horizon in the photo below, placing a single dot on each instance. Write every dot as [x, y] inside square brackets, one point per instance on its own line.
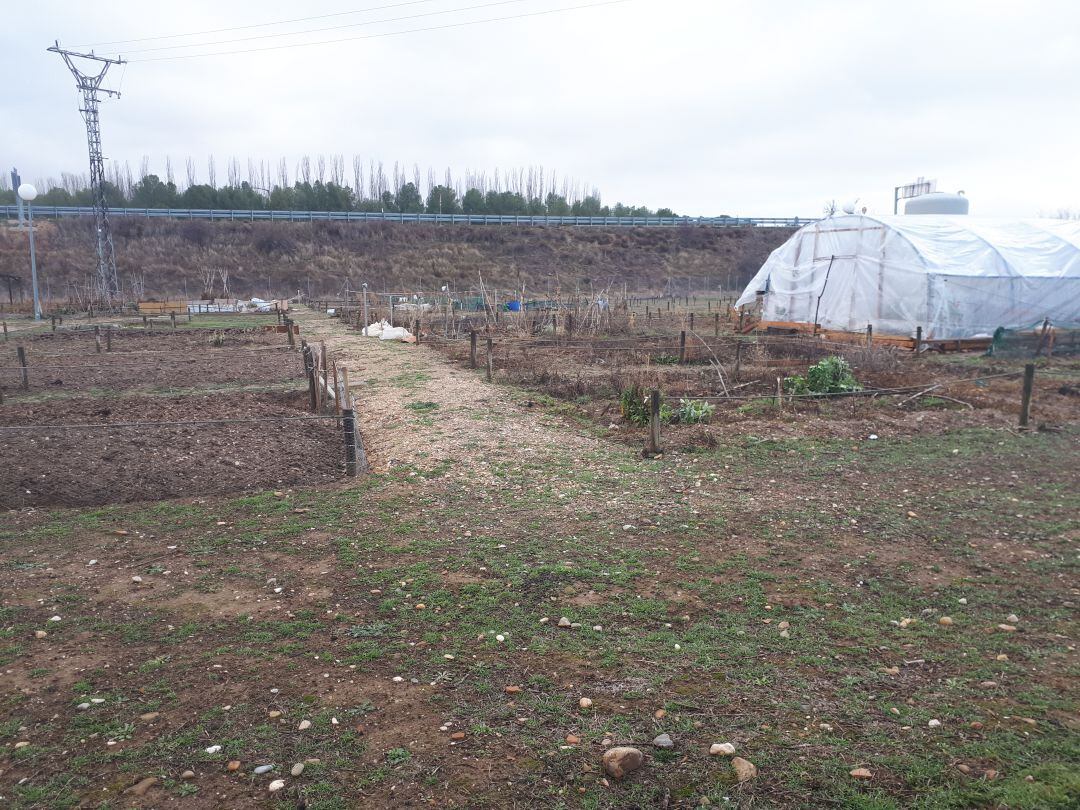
[704, 107]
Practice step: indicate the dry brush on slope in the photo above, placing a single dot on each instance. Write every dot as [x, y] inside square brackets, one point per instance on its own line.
[170, 257]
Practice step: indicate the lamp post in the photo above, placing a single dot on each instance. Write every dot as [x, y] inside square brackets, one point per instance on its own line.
[27, 193]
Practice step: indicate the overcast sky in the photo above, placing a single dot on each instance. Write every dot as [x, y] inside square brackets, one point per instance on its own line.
[706, 106]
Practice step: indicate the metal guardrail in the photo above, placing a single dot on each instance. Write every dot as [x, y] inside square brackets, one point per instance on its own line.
[58, 211]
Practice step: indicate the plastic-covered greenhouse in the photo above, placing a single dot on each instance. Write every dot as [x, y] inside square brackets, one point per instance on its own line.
[955, 276]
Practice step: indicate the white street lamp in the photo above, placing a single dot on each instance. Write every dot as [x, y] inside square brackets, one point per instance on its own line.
[27, 193]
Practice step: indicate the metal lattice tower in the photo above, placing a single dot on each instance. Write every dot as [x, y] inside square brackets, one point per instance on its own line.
[90, 86]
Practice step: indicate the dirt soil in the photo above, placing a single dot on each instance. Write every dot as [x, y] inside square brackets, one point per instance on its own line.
[815, 600]
[71, 467]
[65, 362]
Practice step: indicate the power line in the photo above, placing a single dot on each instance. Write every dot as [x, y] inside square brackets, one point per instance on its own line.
[329, 28]
[257, 25]
[445, 27]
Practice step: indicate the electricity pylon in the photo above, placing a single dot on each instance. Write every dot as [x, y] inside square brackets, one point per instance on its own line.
[90, 86]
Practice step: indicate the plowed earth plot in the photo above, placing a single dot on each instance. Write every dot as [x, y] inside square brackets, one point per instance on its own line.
[97, 428]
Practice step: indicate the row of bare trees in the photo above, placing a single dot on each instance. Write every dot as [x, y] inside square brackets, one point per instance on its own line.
[368, 179]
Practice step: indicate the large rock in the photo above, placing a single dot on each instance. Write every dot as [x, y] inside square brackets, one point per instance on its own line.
[620, 761]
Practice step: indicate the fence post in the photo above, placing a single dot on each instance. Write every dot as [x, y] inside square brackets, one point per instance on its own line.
[738, 360]
[652, 443]
[97, 339]
[869, 335]
[918, 340]
[489, 359]
[348, 422]
[289, 332]
[691, 321]
[172, 317]
[22, 362]
[682, 347]
[309, 369]
[53, 318]
[416, 329]
[472, 349]
[716, 325]
[1025, 395]
[741, 314]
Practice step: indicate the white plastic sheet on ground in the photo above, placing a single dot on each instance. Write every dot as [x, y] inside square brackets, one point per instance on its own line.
[955, 276]
[375, 329]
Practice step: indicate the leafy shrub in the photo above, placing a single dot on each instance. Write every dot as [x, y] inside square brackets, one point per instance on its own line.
[830, 376]
[634, 407]
[667, 360]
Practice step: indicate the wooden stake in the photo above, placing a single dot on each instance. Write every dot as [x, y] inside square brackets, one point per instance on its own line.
[472, 349]
[172, 317]
[716, 325]
[652, 442]
[779, 393]
[21, 352]
[489, 360]
[869, 335]
[108, 338]
[337, 391]
[1025, 394]
[97, 339]
[682, 347]
[918, 340]
[738, 360]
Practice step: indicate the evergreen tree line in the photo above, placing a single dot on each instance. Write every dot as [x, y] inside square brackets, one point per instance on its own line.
[321, 185]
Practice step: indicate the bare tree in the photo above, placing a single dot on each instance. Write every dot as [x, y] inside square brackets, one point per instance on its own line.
[303, 170]
[169, 170]
[358, 176]
[283, 173]
[234, 172]
[830, 208]
[144, 166]
[337, 170]
[211, 171]
[320, 168]
[192, 178]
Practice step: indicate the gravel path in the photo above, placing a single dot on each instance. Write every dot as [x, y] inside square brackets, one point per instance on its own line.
[418, 411]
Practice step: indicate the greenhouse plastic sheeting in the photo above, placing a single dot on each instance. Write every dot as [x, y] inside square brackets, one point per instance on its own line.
[955, 276]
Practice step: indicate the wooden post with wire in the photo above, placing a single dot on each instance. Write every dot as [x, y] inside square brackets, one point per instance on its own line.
[97, 339]
[682, 347]
[869, 335]
[172, 317]
[652, 441]
[472, 349]
[348, 423]
[309, 370]
[21, 352]
[108, 338]
[489, 359]
[1025, 394]
[716, 325]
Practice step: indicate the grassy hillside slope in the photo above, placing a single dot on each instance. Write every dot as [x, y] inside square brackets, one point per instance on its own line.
[171, 256]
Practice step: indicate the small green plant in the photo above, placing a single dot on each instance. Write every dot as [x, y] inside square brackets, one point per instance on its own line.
[422, 407]
[217, 340]
[667, 360]
[398, 756]
[635, 409]
[830, 376]
[691, 412]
